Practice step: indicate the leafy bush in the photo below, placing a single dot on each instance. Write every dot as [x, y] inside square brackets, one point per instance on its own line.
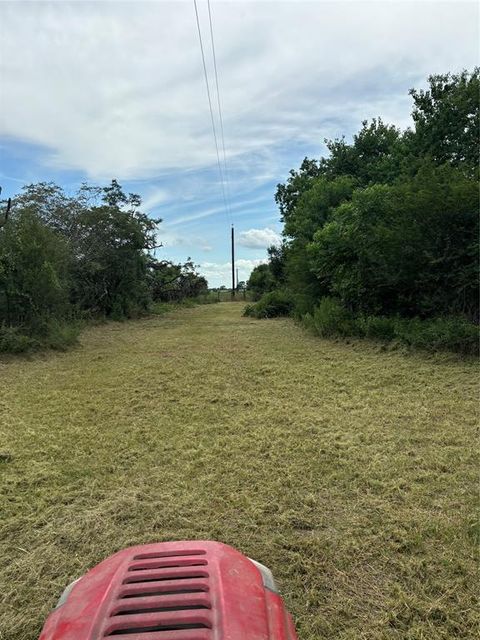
[453, 333]
[261, 281]
[377, 327]
[439, 334]
[60, 335]
[408, 249]
[331, 318]
[34, 272]
[271, 305]
[51, 335]
[12, 340]
[170, 282]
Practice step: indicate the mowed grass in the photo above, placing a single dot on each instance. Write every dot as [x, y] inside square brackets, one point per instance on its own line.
[350, 471]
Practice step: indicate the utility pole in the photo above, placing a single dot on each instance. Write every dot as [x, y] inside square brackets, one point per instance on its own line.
[237, 281]
[233, 263]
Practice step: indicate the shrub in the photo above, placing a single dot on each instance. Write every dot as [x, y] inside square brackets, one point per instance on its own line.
[439, 334]
[60, 335]
[271, 305]
[50, 335]
[377, 327]
[12, 340]
[331, 318]
[261, 281]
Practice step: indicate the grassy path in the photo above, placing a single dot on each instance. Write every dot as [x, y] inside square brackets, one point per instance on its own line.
[350, 471]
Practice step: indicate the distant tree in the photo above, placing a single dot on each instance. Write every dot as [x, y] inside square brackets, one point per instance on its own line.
[276, 260]
[261, 280]
[170, 281]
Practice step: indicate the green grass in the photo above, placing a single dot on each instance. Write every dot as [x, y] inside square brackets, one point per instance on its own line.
[350, 470]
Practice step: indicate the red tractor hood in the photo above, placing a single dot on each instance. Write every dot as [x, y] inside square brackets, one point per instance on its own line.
[172, 591]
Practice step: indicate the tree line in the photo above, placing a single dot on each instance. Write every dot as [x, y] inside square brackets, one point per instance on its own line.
[69, 258]
[380, 236]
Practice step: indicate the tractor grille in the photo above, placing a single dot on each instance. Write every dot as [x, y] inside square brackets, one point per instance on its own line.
[163, 596]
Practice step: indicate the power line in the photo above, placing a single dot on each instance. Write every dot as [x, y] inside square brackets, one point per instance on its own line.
[227, 212]
[219, 102]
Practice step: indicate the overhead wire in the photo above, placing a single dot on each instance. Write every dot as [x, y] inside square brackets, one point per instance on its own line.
[220, 116]
[214, 130]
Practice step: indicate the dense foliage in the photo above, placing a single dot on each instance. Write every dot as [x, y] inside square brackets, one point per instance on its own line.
[386, 226]
[65, 258]
[271, 305]
[172, 282]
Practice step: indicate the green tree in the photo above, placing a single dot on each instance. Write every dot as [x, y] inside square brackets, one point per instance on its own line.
[313, 209]
[408, 248]
[261, 280]
[287, 195]
[34, 273]
[374, 156]
[277, 256]
[170, 281]
[386, 222]
[111, 245]
[314, 206]
[447, 119]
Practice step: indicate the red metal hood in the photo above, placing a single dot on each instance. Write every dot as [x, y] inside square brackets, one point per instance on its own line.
[172, 591]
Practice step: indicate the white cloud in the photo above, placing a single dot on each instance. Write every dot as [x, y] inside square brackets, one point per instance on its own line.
[116, 88]
[259, 238]
[153, 198]
[206, 213]
[218, 273]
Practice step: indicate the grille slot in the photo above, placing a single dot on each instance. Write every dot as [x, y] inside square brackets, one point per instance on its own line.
[170, 554]
[141, 579]
[167, 563]
[159, 628]
[162, 593]
[187, 607]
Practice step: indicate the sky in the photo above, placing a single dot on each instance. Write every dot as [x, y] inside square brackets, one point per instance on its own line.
[91, 91]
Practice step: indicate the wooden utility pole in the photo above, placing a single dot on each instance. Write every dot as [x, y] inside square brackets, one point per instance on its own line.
[233, 263]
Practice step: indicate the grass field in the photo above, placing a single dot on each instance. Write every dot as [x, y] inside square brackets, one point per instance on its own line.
[350, 470]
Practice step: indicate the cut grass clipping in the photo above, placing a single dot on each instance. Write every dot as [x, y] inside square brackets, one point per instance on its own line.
[350, 471]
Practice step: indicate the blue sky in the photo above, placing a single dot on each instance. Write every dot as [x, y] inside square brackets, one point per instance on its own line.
[91, 91]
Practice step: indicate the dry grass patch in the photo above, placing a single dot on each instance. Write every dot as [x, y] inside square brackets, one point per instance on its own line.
[350, 471]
